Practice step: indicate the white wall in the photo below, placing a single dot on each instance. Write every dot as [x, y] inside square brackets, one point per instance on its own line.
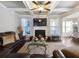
[7, 20]
[17, 21]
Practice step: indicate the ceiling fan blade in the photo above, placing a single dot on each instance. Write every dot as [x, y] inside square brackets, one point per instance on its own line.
[35, 2]
[33, 8]
[47, 3]
[47, 9]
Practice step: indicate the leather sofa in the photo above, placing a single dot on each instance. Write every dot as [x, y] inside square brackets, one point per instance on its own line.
[58, 54]
[65, 53]
[11, 52]
[16, 55]
[70, 53]
[16, 46]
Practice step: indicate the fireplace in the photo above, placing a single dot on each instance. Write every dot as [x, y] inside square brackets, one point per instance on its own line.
[39, 32]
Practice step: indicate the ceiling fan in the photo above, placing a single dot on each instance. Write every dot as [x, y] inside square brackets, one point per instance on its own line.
[41, 5]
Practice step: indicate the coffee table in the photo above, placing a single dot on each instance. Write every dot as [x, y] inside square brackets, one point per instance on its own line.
[37, 44]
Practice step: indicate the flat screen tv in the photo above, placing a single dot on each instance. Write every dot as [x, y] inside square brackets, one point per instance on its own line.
[40, 21]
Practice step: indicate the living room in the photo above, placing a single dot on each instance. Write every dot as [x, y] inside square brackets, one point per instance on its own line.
[39, 29]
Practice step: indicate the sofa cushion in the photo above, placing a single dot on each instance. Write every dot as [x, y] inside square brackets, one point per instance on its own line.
[14, 44]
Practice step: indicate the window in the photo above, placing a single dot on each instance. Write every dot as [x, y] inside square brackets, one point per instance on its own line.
[54, 27]
[26, 26]
[67, 26]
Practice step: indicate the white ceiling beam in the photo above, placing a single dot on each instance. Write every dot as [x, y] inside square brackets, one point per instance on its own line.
[18, 9]
[26, 5]
[61, 9]
[24, 15]
[54, 16]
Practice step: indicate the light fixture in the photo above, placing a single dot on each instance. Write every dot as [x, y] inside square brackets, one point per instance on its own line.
[40, 20]
[41, 8]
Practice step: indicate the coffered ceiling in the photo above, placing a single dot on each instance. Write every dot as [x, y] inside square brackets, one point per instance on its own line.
[48, 8]
[13, 4]
[65, 6]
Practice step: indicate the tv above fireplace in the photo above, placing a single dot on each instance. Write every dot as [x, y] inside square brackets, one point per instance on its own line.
[40, 21]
